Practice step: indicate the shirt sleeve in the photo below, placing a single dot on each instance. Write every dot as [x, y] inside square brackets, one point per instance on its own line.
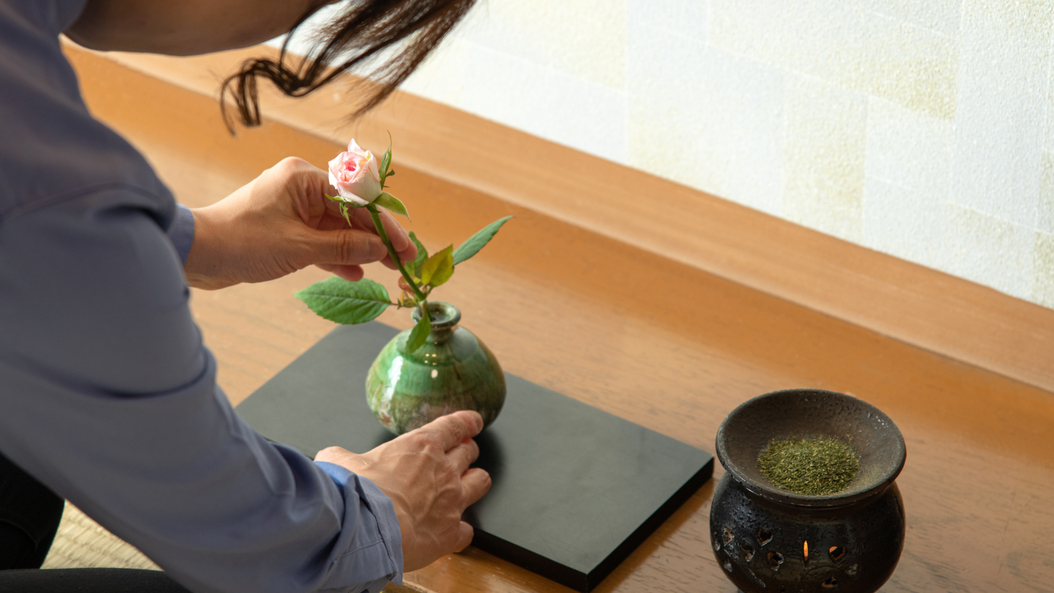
[110, 399]
[181, 232]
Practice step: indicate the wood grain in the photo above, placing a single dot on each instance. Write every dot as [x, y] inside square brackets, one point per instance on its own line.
[650, 338]
[920, 306]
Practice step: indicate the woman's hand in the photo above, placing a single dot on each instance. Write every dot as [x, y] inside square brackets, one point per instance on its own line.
[426, 474]
[282, 222]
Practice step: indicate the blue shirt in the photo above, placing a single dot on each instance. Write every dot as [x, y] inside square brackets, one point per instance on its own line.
[107, 394]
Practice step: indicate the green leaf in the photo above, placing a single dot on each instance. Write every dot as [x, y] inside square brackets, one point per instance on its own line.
[439, 267]
[342, 301]
[478, 241]
[422, 255]
[392, 203]
[419, 334]
[344, 212]
[386, 162]
[445, 269]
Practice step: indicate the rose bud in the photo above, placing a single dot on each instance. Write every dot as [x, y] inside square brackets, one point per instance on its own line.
[355, 175]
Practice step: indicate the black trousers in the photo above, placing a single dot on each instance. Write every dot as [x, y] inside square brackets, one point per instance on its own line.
[29, 517]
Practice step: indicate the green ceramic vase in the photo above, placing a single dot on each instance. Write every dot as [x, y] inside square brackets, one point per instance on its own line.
[453, 371]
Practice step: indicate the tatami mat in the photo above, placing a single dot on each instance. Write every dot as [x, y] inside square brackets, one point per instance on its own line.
[83, 543]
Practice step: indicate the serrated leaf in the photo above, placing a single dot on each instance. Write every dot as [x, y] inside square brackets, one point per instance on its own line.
[422, 255]
[346, 302]
[438, 267]
[478, 241]
[392, 203]
[419, 334]
[445, 269]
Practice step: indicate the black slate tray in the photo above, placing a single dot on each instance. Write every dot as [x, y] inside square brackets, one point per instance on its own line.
[575, 489]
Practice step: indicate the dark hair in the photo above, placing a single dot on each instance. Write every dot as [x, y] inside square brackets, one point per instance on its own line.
[359, 36]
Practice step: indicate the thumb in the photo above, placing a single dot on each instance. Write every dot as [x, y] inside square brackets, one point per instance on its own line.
[342, 247]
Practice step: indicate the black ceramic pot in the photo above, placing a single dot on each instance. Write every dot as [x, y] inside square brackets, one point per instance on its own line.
[770, 540]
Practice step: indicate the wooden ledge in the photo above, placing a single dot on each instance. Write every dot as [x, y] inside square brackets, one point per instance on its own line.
[669, 346]
[905, 301]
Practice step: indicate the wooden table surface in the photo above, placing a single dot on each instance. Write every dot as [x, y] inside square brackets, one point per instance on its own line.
[650, 340]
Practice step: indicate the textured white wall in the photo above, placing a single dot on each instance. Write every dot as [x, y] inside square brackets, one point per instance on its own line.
[920, 128]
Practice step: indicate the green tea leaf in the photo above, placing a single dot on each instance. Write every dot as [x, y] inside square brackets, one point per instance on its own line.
[478, 241]
[342, 301]
[392, 203]
[438, 267]
[419, 334]
[422, 255]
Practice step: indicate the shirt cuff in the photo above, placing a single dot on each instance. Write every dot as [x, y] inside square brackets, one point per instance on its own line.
[380, 506]
[181, 232]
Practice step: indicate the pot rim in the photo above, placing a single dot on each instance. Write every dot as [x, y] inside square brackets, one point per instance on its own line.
[443, 314]
[866, 489]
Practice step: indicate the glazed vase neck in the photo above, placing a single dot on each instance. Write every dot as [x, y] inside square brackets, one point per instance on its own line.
[445, 318]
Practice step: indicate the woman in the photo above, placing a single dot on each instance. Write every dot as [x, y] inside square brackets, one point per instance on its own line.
[108, 395]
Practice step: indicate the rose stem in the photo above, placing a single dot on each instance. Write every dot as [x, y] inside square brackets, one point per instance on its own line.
[377, 224]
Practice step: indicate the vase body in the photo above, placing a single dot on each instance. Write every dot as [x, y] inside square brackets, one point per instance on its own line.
[767, 546]
[452, 371]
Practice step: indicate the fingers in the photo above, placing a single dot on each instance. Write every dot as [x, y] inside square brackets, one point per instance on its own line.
[350, 272]
[474, 484]
[360, 219]
[396, 233]
[400, 239]
[465, 533]
[405, 257]
[342, 248]
[333, 221]
[454, 428]
[463, 455]
[408, 253]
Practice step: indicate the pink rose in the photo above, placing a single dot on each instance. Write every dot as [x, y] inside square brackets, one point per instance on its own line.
[354, 173]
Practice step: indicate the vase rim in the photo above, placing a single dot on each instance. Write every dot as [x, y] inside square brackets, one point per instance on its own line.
[443, 314]
[810, 413]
